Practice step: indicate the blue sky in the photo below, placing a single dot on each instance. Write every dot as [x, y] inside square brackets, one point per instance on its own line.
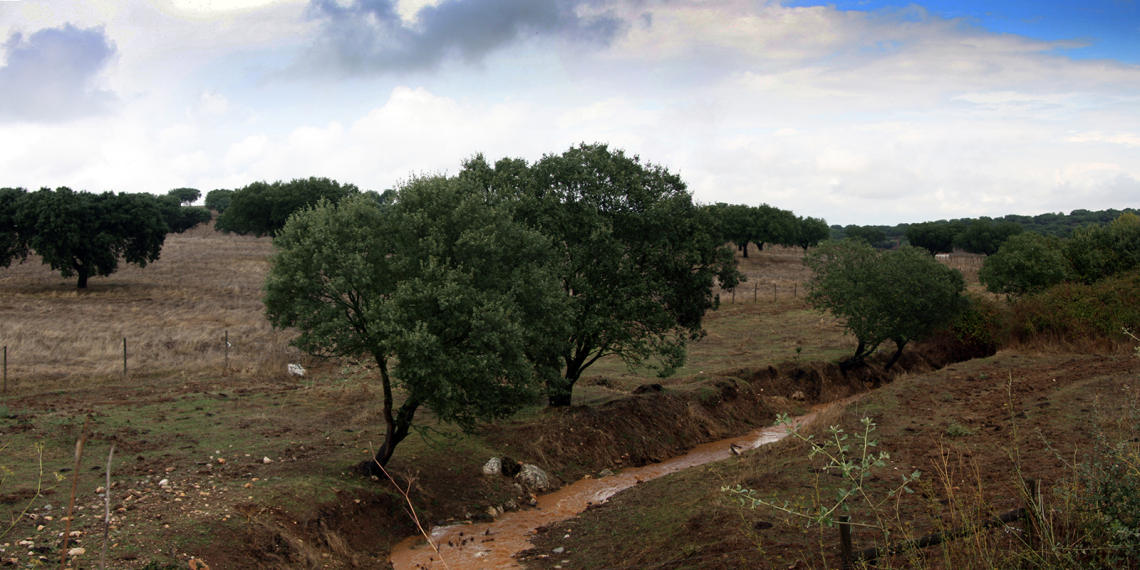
[858, 112]
[1107, 29]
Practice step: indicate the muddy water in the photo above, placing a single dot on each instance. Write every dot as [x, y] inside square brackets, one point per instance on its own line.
[492, 545]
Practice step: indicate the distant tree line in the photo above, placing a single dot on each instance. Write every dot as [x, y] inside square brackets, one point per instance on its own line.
[981, 235]
[764, 224]
[81, 234]
[1030, 262]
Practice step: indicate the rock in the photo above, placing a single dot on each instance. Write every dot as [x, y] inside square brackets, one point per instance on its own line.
[493, 466]
[605, 473]
[799, 396]
[534, 477]
[510, 505]
[510, 467]
[266, 460]
[648, 389]
[164, 483]
[296, 370]
[559, 550]
[76, 551]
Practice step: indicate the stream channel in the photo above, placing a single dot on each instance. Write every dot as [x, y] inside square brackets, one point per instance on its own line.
[493, 545]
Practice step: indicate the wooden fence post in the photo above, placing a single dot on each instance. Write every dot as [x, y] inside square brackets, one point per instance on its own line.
[845, 542]
[773, 292]
[755, 290]
[5, 369]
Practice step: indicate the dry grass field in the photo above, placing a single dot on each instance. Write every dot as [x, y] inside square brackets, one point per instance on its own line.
[174, 315]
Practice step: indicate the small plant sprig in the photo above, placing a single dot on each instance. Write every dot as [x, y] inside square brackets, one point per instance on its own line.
[853, 462]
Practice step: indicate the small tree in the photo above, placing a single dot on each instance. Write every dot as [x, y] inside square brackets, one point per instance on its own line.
[218, 200]
[1025, 263]
[185, 196]
[84, 234]
[180, 218]
[811, 231]
[442, 284]
[899, 295]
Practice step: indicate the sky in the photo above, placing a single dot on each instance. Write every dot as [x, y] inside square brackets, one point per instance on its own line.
[859, 112]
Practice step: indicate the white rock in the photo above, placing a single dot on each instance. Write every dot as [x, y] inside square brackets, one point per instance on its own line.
[266, 460]
[296, 370]
[76, 551]
[494, 466]
[164, 483]
[534, 477]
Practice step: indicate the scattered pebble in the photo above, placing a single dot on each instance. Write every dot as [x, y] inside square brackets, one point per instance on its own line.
[76, 551]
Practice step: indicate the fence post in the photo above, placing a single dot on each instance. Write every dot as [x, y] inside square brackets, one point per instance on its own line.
[845, 542]
[795, 290]
[755, 290]
[124, 357]
[773, 292]
[226, 370]
[5, 369]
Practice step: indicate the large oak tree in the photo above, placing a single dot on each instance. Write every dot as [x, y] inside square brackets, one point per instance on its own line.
[635, 257]
[83, 234]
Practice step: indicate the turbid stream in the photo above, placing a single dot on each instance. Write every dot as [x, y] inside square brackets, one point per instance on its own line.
[492, 545]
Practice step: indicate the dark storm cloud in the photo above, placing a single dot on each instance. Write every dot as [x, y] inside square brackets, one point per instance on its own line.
[49, 76]
[368, 36]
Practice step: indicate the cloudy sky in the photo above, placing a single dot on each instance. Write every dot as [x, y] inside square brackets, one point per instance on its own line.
[856, 111]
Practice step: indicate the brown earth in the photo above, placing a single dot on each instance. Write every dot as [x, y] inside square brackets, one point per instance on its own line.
[1019, 416]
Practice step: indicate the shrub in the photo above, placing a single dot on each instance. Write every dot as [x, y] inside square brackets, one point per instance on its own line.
[1025, 263]
[1074, 311]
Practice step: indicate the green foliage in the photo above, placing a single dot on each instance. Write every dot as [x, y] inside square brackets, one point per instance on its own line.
[985, 237]
[180, 218]
[900, 295]
[84, 234]
[262, 208]
[934, 236]
[13, 240]
[1026, 263]
[185, 196]
[956, 429]
[854, 460]
[443, 283]
[1077, 311]
[979, 325]
[1098, 252]
[218, 200]
[636, 259]
[869, 234]
[810, 232]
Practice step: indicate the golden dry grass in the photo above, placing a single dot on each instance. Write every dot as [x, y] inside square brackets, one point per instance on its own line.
[174, 315]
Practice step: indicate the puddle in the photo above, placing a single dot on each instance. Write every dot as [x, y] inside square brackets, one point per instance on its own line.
[492, 545]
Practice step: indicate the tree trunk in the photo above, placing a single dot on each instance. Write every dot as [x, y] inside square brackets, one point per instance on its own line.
[560, 396]
[744, 248]
[397, 425]
[82, 271]
[895, 357]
